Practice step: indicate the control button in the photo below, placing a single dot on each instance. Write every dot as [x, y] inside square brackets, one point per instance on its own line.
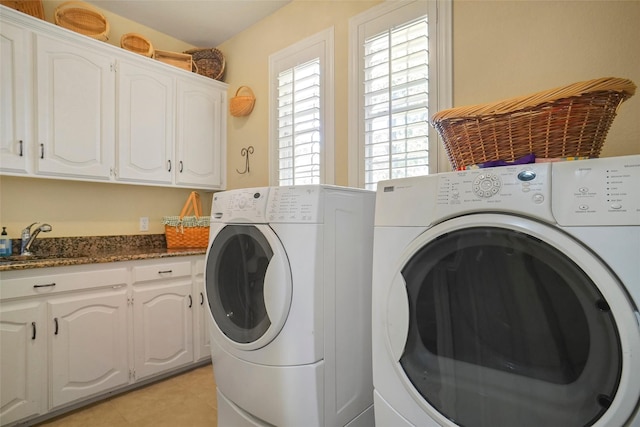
[256, 195]
[616, 206]
[537, 198]
[486, 185]
[527, 175]
[583, 207]
[525, 189]
[583, 190]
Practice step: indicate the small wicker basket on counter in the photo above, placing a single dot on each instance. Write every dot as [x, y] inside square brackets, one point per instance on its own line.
[571, 120]
[190, 229]
[82, 18]
[242, 103]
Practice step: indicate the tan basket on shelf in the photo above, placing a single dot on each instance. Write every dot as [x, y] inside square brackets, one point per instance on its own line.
[242, 105]
[190, 229]
[209, 62]
[82, 18]
[568, 121]
[137, 43]
[30, 7]
[180, 60]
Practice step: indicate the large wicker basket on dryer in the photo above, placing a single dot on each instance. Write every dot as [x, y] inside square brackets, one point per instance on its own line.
[567, 121]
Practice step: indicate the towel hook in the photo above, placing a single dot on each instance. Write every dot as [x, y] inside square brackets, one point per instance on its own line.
[245, 152]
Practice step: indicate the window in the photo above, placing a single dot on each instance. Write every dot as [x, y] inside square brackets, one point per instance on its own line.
[396, 88]
[301, 136]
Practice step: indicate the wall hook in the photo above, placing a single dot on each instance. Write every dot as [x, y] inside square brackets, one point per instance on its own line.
[245, 152]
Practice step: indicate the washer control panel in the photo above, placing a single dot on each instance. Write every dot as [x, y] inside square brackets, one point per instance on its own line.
[518, 188]
[243, 205]
[294, 204]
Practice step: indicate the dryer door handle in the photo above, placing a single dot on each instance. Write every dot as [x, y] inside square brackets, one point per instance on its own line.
[277, 290]
[397, 316]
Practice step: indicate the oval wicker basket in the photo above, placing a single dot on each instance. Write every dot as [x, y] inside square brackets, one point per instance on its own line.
[30, 7]
[208, 62]
[568, 121]
[137, 43]
[242, 105]
[82, 18]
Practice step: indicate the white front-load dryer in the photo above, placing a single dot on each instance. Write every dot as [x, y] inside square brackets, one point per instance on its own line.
[288, 285]
[509, 297]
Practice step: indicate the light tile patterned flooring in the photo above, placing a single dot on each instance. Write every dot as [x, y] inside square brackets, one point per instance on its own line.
[186, 400]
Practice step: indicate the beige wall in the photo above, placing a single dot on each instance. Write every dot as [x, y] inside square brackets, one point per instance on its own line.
[501, 49]
[120, 25]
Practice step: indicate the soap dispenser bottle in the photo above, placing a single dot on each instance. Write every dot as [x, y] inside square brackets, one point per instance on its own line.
[5, 243]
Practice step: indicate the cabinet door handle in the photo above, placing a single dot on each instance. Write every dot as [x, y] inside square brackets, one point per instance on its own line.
[48, 285]
[201, 298]
[42, 151]
[20, 148]
[33, 326]
[165, 271]
[55, 321]
[169, 165]
[190, 301]
[181, 166]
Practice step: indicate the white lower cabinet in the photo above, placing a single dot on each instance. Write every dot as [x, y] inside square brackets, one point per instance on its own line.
[162, 317]
[70, 334]
[88, 344]
[23, 354]
[201, 317]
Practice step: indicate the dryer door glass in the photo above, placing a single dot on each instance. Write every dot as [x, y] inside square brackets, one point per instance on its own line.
[236, 268]
[506, 330]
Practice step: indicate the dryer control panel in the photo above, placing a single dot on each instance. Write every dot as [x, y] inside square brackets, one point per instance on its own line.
[597, 191]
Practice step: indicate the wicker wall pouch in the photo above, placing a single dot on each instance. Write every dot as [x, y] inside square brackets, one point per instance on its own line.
[242, 104]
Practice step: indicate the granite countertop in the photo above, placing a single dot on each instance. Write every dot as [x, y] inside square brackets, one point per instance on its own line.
[64, 251]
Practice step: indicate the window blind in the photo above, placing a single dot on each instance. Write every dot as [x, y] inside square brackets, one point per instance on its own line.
[299, 136]
[396, 128]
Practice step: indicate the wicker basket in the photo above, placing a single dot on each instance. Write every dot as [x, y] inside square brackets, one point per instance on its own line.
[208, 62]
[137, 43]
[242, 105]
[180, 60]
[82, 18]
[186, 231]
[30, 7]
[567, 121]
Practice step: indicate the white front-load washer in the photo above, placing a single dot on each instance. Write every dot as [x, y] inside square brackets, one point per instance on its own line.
[288, 284]
[509, 297]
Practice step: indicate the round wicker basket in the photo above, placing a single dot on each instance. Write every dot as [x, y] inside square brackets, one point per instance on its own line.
[242, 105]
[82, 18]
[567, 121]
[137, 43]
[209, 62]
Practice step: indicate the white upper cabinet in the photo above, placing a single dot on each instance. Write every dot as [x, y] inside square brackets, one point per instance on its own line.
[101, 113]
[146, 114]
[14, 66]
[75, 110]
[201, 135]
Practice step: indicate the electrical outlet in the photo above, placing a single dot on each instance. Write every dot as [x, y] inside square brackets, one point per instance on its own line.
[144, 223]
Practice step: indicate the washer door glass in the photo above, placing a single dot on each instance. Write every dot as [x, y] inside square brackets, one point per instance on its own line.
[236, 268]
[506, 330]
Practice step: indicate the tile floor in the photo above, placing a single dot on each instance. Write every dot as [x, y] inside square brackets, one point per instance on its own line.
[186, 400]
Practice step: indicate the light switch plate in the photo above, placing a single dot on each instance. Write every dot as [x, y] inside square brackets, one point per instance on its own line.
[144, 223]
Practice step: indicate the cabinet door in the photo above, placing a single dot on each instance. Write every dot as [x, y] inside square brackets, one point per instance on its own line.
[14, 117]
[202, 318]
[146, 111]
[163, 326]
[75, 110]
[201, 135]
[88, 335]
[23, 355]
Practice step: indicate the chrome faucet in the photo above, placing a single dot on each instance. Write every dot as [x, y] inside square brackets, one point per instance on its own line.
[28, 238]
